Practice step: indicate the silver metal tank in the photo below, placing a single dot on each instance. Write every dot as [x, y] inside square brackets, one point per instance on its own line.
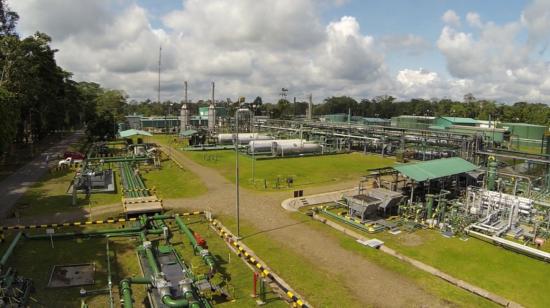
[244, 138]
[295, 148]
[265, 146]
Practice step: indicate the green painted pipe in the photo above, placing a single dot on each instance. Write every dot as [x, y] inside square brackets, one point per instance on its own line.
[205, 254]
[86, 233]
[10, 249]
[126, 294]
[149, 255]
[126, 289]
[119, 159]
[492, 174]
[109, 281]
[349, 222]
[429, 205]
[175, 302]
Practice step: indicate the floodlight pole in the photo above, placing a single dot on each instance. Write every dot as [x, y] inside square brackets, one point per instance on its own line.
[237, 201]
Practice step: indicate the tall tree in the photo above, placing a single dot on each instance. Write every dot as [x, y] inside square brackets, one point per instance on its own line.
[8, 19]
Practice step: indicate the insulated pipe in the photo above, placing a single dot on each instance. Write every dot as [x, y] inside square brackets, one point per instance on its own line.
[10, 250]
[205, 254]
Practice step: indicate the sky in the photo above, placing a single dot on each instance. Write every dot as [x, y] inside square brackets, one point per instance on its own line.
[493, 49]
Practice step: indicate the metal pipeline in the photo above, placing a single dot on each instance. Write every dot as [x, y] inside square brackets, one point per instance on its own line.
[86, 233]
[10, 250]
[429, 205]
[108, 232]
[126, 289]
[109, 281]
[204, 253]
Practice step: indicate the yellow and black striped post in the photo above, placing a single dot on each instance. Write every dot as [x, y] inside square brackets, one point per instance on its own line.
[262, 269]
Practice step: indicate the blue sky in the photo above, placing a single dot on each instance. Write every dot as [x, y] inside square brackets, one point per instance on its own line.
[493, 49]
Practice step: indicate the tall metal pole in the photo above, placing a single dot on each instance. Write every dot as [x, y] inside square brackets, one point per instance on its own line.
[253, 151]
[185, 83]
[158, 89]
[237, 204]
[237, 171]
[213, 88]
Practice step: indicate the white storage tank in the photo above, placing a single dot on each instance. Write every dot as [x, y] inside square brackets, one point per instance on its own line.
[265, 146]
[295, 148]
[244, 138]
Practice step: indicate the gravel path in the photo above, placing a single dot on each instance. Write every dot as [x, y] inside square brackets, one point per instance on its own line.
[14, 186]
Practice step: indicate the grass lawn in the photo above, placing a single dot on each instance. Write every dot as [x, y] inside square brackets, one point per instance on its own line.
[322, 289]
[50, 195]
[305, 171]
[75, 251]
[514, 276]
[173, 182]
[236, 275]
[317, 285]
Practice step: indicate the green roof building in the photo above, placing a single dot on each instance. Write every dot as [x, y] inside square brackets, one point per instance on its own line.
[450, 121]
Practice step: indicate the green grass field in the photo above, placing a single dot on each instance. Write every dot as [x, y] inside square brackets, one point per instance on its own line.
[501, 271]
[270, 175]
[322, 289]
[50, 196]
[304, 171]
[173, 182]
[237, 276]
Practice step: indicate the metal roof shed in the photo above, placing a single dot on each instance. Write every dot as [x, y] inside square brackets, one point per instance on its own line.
[188, 133]
[449, 121]
[133, 132]
[434, 169]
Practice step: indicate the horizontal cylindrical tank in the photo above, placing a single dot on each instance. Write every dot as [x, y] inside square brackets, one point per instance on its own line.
[295, 148]
[263, 146]
[244, 138]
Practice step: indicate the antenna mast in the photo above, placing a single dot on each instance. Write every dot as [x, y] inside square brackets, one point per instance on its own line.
[158, 89]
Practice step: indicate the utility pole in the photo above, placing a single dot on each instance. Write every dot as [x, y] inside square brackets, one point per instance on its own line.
[158, 88]
[185, 83]
[213, 88]
[310, 107]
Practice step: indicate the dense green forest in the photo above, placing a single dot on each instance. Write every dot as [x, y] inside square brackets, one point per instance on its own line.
[37, 97]
[382, 107]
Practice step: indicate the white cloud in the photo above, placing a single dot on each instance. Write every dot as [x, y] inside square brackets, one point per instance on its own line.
[536, 18]
[451, 18]
[230, 42]
[246, 23]
[253, 48]
[412, 78]
[496, 62]
[348, 54]
[474, 20]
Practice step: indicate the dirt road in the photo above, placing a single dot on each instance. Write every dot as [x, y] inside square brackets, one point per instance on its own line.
[15, 185]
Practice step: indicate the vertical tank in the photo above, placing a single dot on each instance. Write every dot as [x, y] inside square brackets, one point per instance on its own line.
[211, 117]
[184, 118]
[491, 173]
